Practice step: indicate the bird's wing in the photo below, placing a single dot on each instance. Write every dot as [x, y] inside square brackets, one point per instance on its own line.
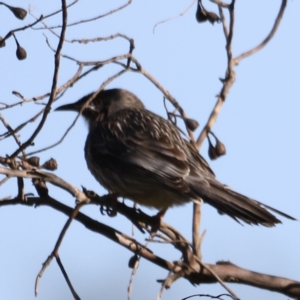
[142, 139]
[147, 147]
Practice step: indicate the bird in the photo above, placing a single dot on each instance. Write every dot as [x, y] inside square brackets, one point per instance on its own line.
[137, 154]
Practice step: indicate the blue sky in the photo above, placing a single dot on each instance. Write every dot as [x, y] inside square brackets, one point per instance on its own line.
[259, 124]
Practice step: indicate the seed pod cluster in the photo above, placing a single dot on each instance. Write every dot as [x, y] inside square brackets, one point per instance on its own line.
[34, 161]
[19, 12]
[21, 52]
[216, 151]
[132, 261]
[2, 42]
[202, 15]
[191, 124]
[50, 165]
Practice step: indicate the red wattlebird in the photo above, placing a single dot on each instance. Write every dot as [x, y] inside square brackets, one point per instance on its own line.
[139, 155]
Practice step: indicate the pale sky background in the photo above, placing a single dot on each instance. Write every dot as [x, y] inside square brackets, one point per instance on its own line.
[259, 124]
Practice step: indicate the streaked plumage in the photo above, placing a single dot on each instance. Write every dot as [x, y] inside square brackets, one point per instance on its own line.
[141, 156]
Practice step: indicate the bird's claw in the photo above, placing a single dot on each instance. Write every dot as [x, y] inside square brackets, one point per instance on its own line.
[110, 211]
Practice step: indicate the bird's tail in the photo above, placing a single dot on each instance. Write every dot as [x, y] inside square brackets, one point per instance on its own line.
[237, 206]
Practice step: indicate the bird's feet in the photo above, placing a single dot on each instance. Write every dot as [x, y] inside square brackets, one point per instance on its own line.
[111, 209]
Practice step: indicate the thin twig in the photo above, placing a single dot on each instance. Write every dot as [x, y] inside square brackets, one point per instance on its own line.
[205, 266]
[162, 288]
[9, 34]
[196, 230]
[268, 38]
[41, 272]
[207, 295]
[47, 176]
[52, 14]
[59, 90]
[91, 19]
[54, 83]
[134, 270]
[9, 133]
[91, 63]
[21, 193]
[75, 295]
[67, 225]
[4, 180]
[175, 17]
[12, 132]
[223, 20]
[100, 39]
[227, 82]
[57, 245]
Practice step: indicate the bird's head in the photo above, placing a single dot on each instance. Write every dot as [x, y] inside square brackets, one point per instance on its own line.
[105, 104]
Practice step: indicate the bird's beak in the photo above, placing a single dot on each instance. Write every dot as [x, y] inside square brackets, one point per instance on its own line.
[75, 106]
[71, 106]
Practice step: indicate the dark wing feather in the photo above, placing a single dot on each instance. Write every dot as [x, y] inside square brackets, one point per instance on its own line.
[225, 200]
[144, 142]
[145, 147]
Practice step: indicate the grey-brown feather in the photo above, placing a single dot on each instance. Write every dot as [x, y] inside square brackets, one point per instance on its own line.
[141, 156]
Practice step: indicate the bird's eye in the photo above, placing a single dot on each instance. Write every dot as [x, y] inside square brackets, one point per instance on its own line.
[96, 101]
[96, 106]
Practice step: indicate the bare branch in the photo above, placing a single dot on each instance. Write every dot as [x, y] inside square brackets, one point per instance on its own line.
[49, 177]
[223, 20]
[268, 38]
[235, 297]
[56, 255]
[100, 39]
[226, 271]
[196, 230]
[91, 19]
[75, 295]
[227, 82]
[174, 17]
[52, 14]
[54, 83]
[11, 131]
[9, 34]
